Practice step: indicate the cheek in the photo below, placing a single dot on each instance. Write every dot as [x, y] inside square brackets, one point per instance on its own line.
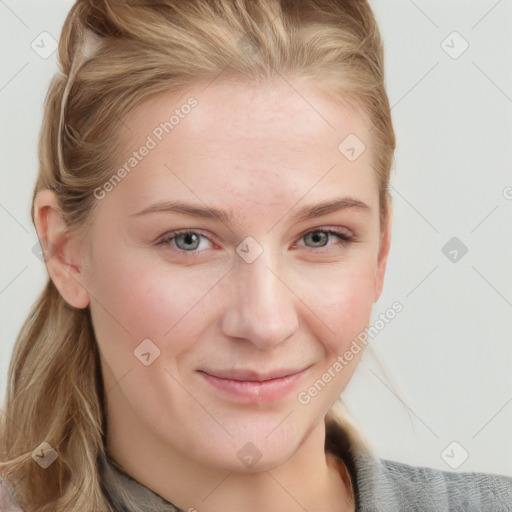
[343, 300]
[138, 298]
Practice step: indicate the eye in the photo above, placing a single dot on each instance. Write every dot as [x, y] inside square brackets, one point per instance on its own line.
[321, 236]
[185, 240]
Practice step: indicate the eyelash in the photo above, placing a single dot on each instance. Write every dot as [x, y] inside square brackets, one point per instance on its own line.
[343, 238]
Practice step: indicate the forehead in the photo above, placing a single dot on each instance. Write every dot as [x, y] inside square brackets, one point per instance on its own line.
[269, 141]
[272, 110]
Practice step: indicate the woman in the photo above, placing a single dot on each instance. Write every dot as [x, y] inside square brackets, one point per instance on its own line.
[214, 212]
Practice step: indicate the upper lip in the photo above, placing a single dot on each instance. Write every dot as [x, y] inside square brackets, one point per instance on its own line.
[251, 375]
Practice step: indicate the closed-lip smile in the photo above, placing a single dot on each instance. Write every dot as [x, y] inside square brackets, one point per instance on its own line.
[249, 386]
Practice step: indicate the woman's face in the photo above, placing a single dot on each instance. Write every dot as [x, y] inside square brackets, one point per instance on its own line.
[259, 286]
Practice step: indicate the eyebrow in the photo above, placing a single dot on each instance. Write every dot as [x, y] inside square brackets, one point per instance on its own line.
[305, 213]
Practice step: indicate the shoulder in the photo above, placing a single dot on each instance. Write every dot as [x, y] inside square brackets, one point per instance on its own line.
[8, 501]
[399, 486]
[460, 490]
[383, 485]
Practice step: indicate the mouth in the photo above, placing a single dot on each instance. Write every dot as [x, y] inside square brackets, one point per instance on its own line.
[248, 386]
[252, 375]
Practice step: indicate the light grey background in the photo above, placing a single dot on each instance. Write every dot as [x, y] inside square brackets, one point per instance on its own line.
[449, 352]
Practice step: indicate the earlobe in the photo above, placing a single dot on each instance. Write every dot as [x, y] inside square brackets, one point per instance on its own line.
[61, 251]
[385, 245]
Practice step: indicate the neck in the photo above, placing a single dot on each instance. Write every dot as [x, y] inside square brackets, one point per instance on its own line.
[309, 480]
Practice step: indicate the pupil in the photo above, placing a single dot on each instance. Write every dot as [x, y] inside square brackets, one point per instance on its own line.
[317, 237]
[188, 238]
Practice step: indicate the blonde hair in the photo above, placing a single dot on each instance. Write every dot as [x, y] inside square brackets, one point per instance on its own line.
[112, 55]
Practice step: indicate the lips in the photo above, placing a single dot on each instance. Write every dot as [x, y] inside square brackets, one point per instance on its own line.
[251, 375]
[250, 387]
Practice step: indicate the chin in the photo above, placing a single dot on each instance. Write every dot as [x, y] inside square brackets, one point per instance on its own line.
[251, 449]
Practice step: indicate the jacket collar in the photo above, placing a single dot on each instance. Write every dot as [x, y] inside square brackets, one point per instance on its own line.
[125, 494]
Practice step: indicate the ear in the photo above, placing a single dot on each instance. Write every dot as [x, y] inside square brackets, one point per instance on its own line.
[385, 244]
[61, 252]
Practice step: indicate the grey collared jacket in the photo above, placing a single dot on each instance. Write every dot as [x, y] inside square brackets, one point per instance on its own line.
[380, 485]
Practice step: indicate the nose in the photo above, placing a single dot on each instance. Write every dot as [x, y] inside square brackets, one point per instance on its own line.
[262, 308]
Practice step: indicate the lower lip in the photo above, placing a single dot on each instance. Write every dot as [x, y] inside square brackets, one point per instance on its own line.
[256, 391]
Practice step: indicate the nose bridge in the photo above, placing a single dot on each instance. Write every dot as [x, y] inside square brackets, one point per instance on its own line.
[262, 308]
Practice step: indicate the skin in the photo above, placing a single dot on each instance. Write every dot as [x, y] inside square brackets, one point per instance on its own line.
[262, 152]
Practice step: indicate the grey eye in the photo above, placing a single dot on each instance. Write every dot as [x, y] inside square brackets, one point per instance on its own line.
[318, 237]
[189, 239]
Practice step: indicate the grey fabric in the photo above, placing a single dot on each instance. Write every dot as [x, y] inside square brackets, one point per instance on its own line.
[380, 485]
[393, 486]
